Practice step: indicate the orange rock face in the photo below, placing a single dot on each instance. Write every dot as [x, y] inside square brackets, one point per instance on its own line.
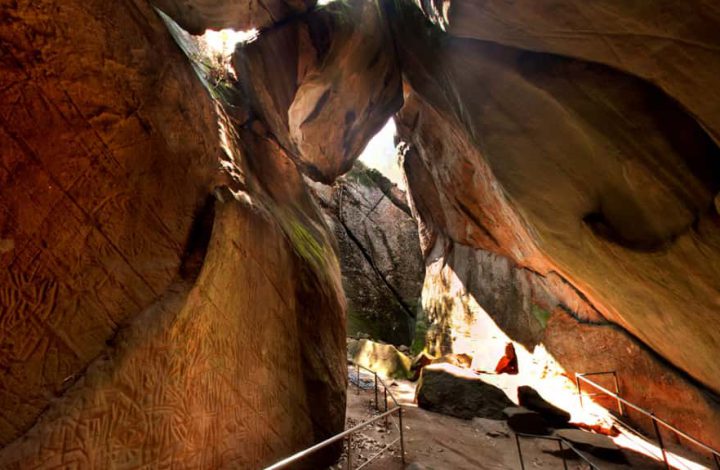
[170, 294]
[98, 187]
[160, 304]
[589, 179]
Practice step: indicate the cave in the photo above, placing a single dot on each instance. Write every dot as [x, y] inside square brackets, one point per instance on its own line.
[207, 206]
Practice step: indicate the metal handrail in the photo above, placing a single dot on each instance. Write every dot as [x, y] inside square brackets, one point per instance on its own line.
[560, 442]
[621, 401]
[349, 432]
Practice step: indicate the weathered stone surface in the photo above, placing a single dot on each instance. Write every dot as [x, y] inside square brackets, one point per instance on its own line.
[325, 83]
[613, 226]
[674, 45]
[455, 391]
[380, 257]
[195, 16]
[100, 180]
[525, 421]
[158, 268]
[579, 175]
[384, 359]
[188, 360]
[644, 378]
[478, 301]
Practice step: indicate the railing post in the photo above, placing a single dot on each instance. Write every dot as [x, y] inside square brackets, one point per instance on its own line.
[517, 441]
[577, 382]
[562, 454]
[377, 405]
[386, 406]
[617, 392]
[402, 437]
[349, 452]
[660, 441]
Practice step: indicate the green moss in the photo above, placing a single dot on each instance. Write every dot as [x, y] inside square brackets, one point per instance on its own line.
[541, 315]
[363, 175]
[418, 343]
[357, 323]
[306, 245]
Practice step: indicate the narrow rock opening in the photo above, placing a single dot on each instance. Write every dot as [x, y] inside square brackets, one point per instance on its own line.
[198, 240]
[379, 249]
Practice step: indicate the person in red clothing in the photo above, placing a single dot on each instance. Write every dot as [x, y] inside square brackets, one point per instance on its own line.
[508, 364]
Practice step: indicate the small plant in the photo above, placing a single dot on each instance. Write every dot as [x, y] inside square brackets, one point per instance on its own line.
[541, 315]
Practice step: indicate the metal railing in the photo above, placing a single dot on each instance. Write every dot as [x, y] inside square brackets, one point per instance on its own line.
[386, 415]
[657, 422]
[560, 442]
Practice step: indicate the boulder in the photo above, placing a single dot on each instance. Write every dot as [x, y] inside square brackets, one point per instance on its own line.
[331, 85]
[526, 421]
[529, 398]
[384, 359]
[459, 360]
[455, 391]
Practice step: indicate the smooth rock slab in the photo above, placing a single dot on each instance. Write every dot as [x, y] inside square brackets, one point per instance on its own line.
[454, 391]
[526, 421]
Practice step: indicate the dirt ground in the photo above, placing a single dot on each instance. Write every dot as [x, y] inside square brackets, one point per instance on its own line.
[434, 441]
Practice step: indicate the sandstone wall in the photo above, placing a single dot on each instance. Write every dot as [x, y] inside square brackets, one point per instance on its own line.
[571, 170]
[170, 293]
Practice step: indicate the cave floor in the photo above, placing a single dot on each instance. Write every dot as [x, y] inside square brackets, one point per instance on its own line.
[436, 441]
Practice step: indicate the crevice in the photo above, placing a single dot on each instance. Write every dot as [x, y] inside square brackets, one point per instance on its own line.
[468, 213]
[318, 107]
[198, 240]
[581, 320]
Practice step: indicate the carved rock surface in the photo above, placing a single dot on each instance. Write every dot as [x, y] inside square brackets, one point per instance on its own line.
[380, 256]
[101, 176]
[170, 293]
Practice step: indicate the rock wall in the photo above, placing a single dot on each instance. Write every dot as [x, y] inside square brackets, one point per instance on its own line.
[324, 83]
[162, 260]
[477, 301]
[584, 174]
[380, 257]
[170, 292]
